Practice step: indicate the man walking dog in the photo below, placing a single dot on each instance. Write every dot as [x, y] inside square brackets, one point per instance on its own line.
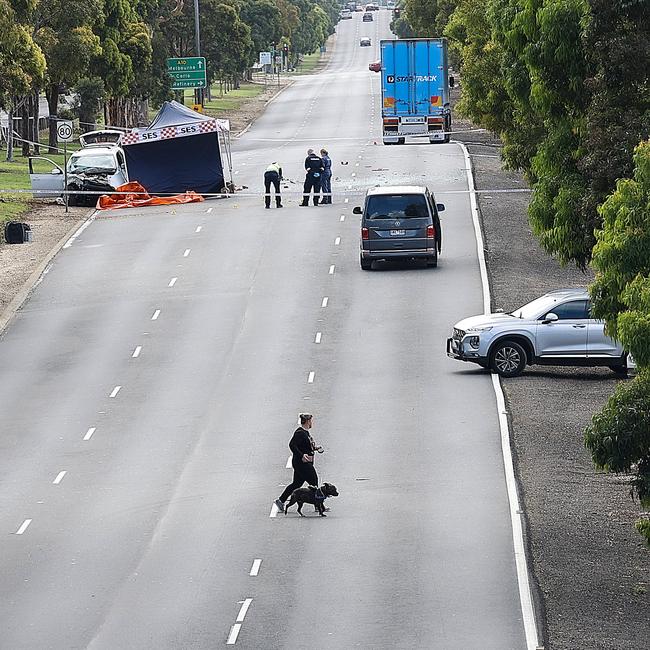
[302, 460]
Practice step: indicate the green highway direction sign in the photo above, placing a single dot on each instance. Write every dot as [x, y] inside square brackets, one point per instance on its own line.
[187, 72]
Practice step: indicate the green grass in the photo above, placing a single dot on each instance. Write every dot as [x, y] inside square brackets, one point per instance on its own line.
[15, 176]
[309, 62]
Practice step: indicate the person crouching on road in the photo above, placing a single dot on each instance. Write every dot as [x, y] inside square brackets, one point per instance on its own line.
[314, 169]
[326, 178]
[302, 459]
[272, 175]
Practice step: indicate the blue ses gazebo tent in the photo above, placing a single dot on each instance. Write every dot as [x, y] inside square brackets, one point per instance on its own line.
[180, 150]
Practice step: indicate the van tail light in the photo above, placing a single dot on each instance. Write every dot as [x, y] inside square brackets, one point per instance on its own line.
[365, 234]
[431, 232]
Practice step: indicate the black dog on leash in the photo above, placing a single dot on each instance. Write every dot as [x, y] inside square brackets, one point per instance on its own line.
[314, 495]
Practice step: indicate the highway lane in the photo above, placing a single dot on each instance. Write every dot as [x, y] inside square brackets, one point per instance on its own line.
[149, 539]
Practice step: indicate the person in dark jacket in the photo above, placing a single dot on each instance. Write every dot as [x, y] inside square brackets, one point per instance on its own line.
[272, 175]
[314, 169]
[326, 178]
[302, 459]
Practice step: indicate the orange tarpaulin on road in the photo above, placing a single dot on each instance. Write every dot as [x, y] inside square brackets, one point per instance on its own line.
[137, 196]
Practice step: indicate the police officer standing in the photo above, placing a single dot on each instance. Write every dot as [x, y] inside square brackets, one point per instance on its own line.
[314, 169]
[272, 175]
[326, 182]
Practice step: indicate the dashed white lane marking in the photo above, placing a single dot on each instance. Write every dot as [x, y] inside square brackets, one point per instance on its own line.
[255, 569]
[115, 391]
[318, 337]
[59, 477]
[346, 201]
[353, 175]
[209, 210]
[136, 352]
[349, 187]
[325, 301]
[310, 378]
[89, 433]
[342, 218]
[356, 164]
[198, 229]
[156, 314]
[331, 269]
[23, 526]
[172, 282]
[234, 633]
[242, 611]
[186, 253]
[337, 241]
[288, 465]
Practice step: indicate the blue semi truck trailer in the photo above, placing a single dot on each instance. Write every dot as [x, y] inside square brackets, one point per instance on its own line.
[415, 90]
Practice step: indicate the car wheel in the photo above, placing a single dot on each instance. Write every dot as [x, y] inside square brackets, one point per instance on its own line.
[366, 265]
[508, 359]
[620, 369]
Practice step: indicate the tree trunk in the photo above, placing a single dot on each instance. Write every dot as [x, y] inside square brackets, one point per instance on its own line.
[36, 112]
[10, 132]
[25, 130]
[143, 112]
[52, 94]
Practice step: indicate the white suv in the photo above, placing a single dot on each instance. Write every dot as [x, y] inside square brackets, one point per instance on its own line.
[554, 330]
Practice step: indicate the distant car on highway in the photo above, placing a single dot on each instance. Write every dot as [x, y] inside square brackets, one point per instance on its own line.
[365, 42]
[555, 329]
[346, 14]
[367, 17]
[375, 66]
[399, 222]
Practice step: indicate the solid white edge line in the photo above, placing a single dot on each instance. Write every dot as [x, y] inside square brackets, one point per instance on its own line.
[89, 433]
[234, 633]
[115, 391]
[156, 314]
[310, 379]
[255, 569]
[288, 465]
[59, 477]
[23, 526]
[81, 228]
[525, 595]
[244, 608]
[136, 352]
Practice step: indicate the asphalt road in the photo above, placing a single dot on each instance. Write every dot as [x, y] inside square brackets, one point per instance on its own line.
[161, 364]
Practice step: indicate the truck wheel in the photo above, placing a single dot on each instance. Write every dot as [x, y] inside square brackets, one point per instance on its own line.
[366, 265]
[508, 359]
[401, 140]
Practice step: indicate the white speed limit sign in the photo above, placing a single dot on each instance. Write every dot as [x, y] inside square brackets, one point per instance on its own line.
[64, 130]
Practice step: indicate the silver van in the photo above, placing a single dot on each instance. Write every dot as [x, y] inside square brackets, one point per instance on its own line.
[399, 222]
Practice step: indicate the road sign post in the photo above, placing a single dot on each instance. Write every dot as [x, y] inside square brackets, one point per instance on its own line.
[65, 132]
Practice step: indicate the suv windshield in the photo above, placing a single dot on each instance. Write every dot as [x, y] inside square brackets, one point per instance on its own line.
[396, 206]
[99, 162]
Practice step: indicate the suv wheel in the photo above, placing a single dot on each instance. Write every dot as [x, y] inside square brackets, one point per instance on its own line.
[508, 359]
[366, 265]
[621, 369]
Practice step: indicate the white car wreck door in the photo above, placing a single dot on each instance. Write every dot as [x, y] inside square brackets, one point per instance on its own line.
[47, 185]
[567, 336]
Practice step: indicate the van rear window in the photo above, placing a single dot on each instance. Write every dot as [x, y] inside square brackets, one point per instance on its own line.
[396, 206]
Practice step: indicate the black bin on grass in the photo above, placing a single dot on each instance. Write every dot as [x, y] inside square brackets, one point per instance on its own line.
[17, 232]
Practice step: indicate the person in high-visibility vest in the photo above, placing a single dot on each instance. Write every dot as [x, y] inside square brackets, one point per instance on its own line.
[272, 175]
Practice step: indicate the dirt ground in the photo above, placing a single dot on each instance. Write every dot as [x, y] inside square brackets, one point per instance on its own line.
[589, 563]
